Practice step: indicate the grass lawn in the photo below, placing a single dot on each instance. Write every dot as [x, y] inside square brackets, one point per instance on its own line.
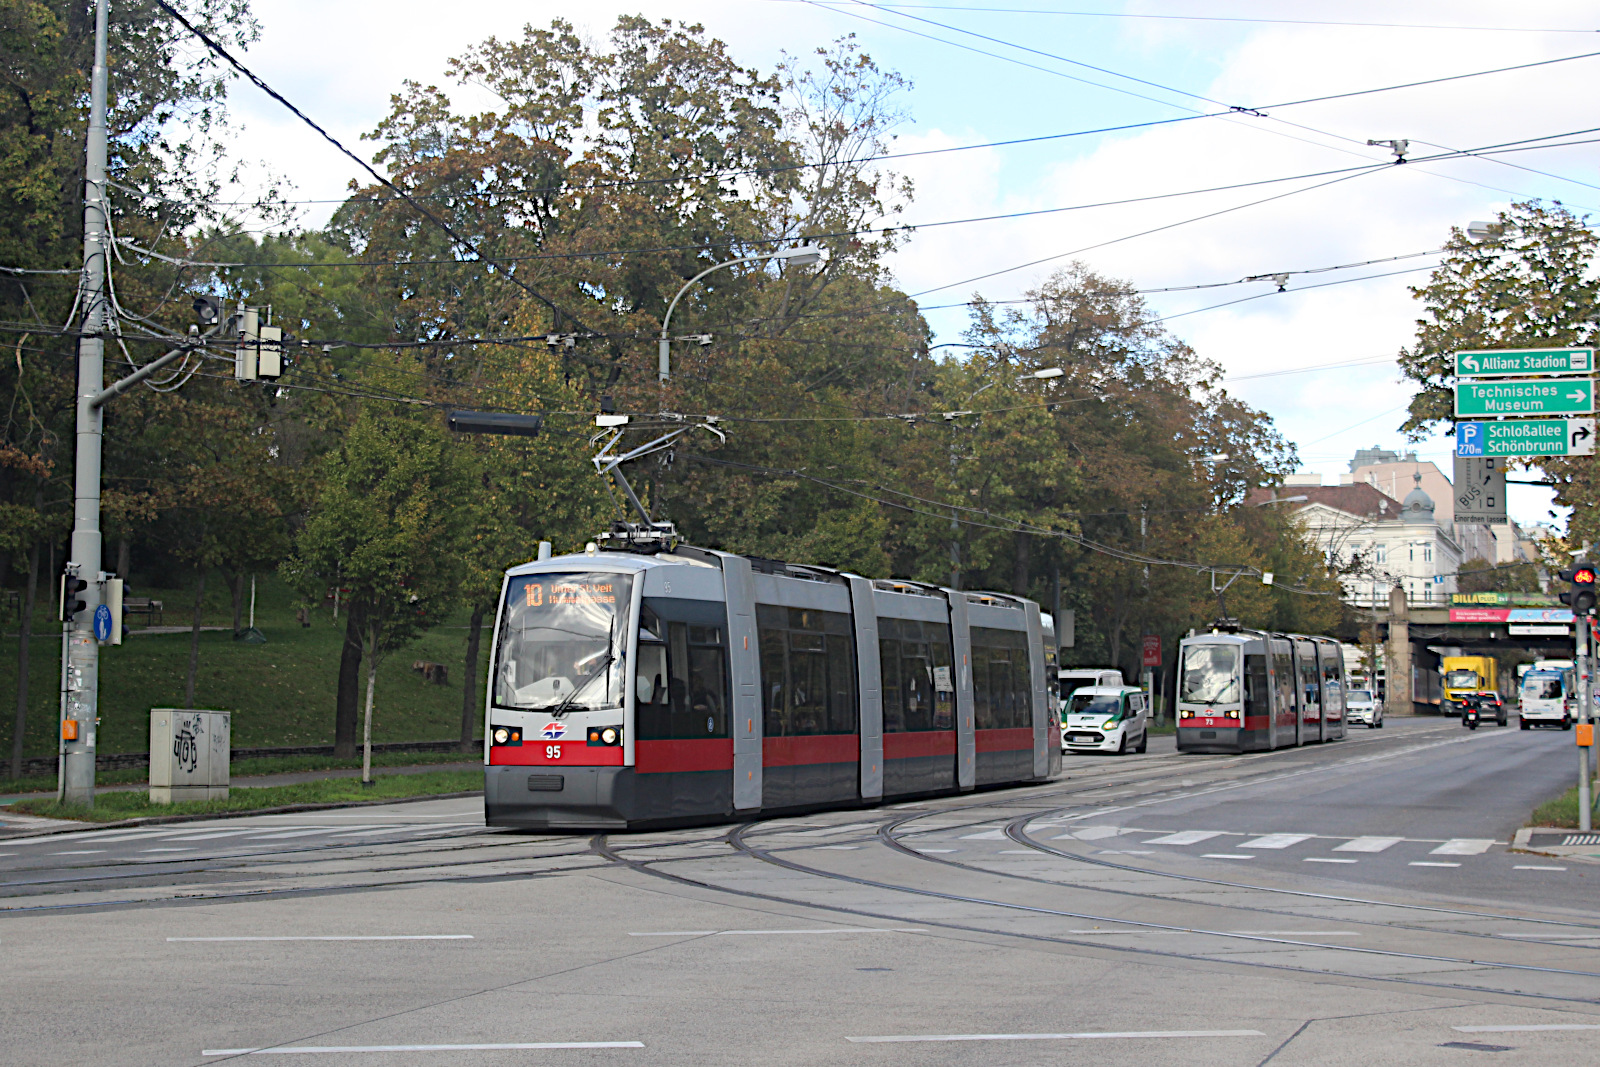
[257, 765]
[112, 807]
[1562, 811]
[280, 693]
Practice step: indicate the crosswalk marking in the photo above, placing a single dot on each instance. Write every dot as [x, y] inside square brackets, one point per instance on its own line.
[312, 833]
[986, 835]
[828, 831]
[1463, 846]
[1090, 833]
[1368, 844]
[1184, 837]
[1276, 841]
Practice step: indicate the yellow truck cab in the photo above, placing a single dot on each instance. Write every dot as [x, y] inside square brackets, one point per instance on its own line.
[1466, 674]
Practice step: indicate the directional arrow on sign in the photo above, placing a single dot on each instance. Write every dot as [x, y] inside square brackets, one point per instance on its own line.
[1581, 434]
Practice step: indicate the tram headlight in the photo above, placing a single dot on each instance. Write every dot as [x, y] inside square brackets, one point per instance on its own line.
[608, 735]
[603, 736]
[501, 735]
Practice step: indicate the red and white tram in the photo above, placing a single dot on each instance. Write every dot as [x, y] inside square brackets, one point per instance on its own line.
[631, 689]
[1247, 691]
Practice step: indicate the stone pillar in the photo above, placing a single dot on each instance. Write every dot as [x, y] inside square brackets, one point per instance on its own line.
[1398, 697]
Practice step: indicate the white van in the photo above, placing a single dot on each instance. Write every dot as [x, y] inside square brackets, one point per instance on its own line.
[1543, 700]
[1106, 718]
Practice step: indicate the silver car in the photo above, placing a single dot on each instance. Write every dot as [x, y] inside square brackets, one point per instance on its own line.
[1360, 707]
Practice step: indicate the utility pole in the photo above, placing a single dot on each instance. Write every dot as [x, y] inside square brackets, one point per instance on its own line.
[80, 704]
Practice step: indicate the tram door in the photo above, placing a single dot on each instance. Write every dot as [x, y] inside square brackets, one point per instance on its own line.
[917, 658]
[1285, 705]
[1332, 656]
[1310, 690]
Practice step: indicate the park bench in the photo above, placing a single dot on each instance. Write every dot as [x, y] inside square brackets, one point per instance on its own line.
[143, 605]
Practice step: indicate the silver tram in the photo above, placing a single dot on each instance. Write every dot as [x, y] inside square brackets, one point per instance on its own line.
[1248, 691]
[688, 685]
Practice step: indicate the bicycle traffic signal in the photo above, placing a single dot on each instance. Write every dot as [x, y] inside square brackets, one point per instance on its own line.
[1580, 597]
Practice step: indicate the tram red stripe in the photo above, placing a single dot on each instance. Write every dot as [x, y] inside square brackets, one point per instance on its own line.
[919, 743]
[1005, 740]
[823, 748]
[566, 754]
[694, 754]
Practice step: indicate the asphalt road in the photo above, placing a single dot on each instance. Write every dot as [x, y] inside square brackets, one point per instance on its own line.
[1348, 903]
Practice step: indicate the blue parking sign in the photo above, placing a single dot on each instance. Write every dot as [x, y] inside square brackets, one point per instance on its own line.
[1469, 438]
[102, 623]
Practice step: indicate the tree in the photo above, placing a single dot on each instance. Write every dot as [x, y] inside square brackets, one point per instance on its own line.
[390, 525]
[1478, 575]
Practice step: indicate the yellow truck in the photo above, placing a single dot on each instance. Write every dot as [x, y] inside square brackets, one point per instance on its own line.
[1466, 674]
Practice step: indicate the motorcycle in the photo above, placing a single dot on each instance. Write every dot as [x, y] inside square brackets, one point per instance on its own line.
[1469, 714]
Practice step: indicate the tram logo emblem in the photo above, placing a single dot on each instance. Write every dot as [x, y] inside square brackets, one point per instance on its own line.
[554, 730]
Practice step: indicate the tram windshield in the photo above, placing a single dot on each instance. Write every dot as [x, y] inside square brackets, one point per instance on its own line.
[562, 641]
[1210, 675]
[1095, 704]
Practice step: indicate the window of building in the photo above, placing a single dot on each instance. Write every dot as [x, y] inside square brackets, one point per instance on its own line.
[1380, 553]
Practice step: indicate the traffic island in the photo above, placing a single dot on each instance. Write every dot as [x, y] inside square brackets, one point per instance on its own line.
[325, 793]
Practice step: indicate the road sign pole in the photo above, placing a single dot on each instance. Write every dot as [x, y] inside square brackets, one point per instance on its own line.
[1580, 661]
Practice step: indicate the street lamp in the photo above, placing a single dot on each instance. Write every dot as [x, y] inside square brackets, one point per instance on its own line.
[798, 256]
[1280, 500]
[1480, 231]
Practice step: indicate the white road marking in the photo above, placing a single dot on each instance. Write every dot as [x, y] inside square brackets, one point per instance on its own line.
[1522, 867]
[80, 852]
[1018, 852]
[1327, 859]
[1091, 833]
[1226, 856]
[1463, 846]
[1276, 841]
[289, 1050]
[920, 849]
[1532, 1028]
[1183, 837]
[836, 848]
[279, 836]
[753, 933]
[1123, 852]
[340, 937]
[1253, 933]
[1131, 1034]
[986, 835]
[1368, 844]
[212, 834]
[356, 831]
[144, 850]
[1424, 863]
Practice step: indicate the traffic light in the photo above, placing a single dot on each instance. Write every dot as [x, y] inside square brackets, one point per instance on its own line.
[71, 603]
[1580, 597]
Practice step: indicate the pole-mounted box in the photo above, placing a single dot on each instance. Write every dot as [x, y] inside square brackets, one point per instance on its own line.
[189, 754]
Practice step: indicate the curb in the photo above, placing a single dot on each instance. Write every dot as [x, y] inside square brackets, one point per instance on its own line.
[285, 809]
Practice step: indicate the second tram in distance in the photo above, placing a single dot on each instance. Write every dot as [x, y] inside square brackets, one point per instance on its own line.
[1249, 691]
[634, 688]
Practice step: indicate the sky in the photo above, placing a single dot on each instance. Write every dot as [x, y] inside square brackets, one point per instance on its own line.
[983, 71]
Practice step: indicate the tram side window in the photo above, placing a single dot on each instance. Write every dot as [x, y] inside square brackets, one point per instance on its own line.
[683, 670]
[808, 678]
[1332, 683]
[1001, 682]
[918, 686]
[1311, 684]
[1256, 698]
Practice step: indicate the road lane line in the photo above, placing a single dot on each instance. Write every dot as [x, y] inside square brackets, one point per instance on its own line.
[986, 835]
[1090, 833]
[1125, 1035]
[752, 933]
[1183, 837]
[290, 1050]
[1528, 1029]
[340, 937]
[80, 852]
[1327, 859]
[142, 851]
[1425, 863]
[1276, 841]
[1227, 856]
[1368, 844]
[1525, 867]
[1463, 846]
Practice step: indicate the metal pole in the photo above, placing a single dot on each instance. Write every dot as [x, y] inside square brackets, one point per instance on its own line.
[82, 652]
[1581, 662]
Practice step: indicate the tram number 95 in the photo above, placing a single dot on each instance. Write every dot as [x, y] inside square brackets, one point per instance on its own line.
[552, 752]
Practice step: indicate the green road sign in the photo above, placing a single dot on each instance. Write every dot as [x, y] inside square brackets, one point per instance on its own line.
[1540, 396]
[1526, 437]
[1511, 362]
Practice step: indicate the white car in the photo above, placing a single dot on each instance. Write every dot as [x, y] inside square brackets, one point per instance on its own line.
[1360, 707]
[1106, 718]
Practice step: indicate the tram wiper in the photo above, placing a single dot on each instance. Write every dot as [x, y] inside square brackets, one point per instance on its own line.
[565, 706]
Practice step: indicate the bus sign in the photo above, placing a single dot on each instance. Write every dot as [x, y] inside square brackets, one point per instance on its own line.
[1510, 362]
[1530, 396]
[1526, 437]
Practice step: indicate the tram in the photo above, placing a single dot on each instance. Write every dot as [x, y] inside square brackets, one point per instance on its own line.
[682, 685]
[1250, 691]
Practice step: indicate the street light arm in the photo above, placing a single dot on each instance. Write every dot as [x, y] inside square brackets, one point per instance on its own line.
[664, 356]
